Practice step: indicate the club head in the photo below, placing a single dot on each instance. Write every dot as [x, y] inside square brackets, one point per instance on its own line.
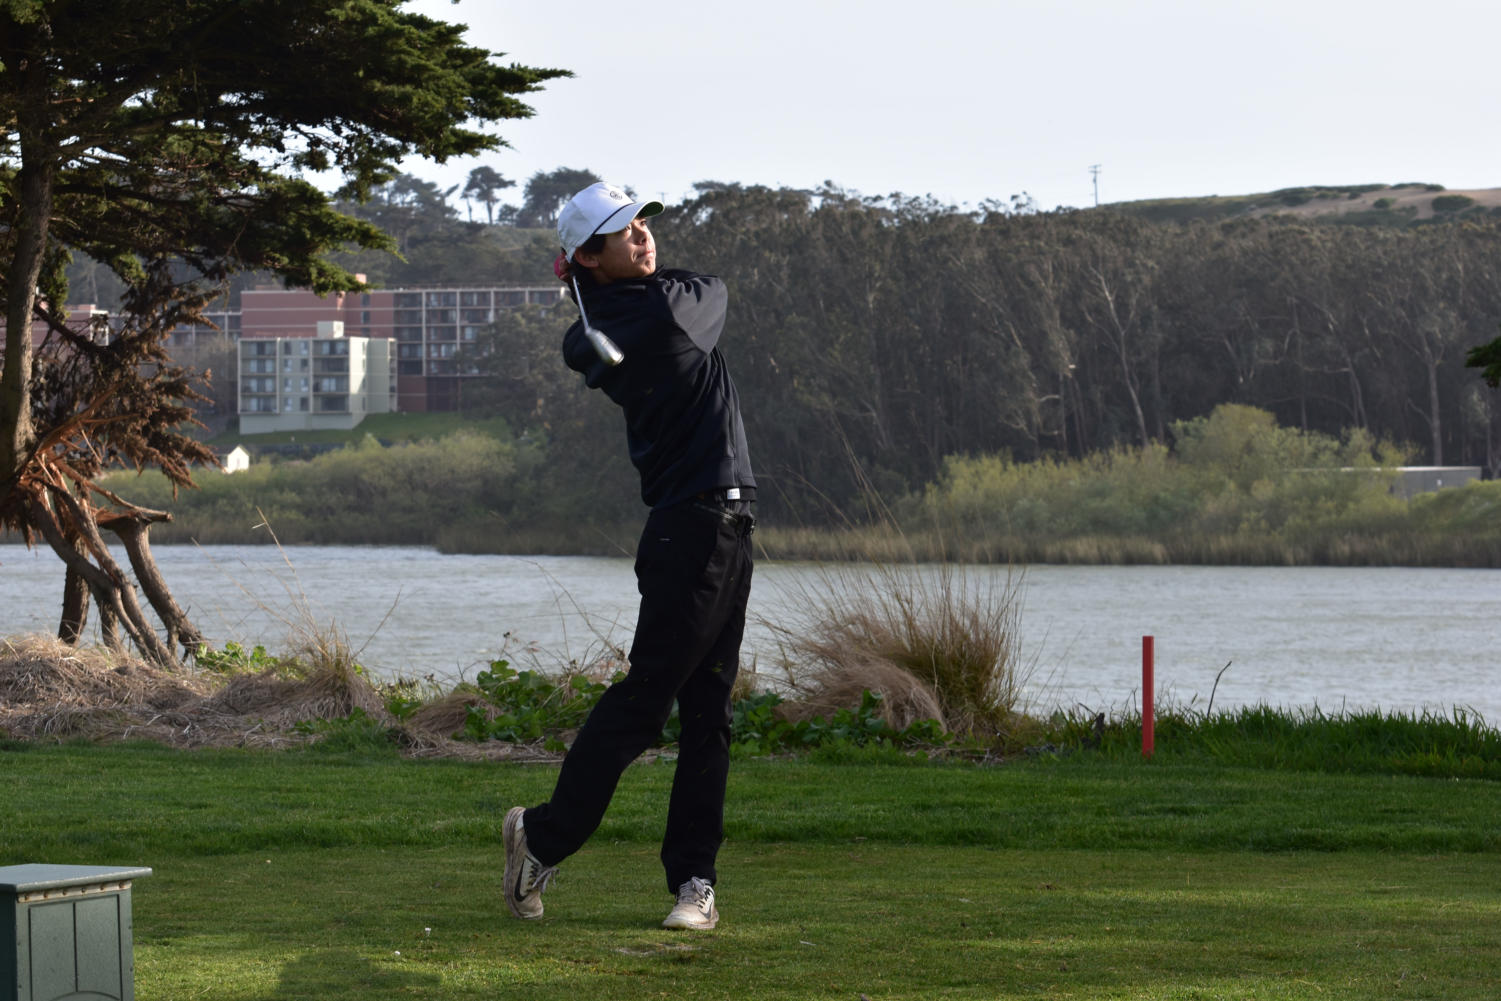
[603, 346]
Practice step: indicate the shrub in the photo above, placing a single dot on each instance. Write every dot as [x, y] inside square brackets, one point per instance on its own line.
[1452, 203]
[864, 628]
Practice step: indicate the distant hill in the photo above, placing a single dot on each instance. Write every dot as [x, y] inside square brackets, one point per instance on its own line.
[1357, 204]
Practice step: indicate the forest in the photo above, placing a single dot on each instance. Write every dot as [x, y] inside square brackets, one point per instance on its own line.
[874, 338]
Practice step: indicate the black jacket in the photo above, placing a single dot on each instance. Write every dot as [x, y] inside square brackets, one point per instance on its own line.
[682, 413]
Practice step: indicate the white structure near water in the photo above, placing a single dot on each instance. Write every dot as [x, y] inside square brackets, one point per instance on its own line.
[1416, 480]
[327, 381]
[236, 460]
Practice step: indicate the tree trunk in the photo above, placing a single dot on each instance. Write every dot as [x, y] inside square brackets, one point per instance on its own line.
[133, 529]
[110, 587]
[16, 433]
[75, 608]
[1435, 425]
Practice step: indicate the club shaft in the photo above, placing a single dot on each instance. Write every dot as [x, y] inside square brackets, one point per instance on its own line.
[607, 350]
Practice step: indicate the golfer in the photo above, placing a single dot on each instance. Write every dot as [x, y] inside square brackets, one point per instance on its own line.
[661, 365]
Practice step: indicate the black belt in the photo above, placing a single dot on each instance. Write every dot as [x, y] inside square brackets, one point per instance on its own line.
[731, 512]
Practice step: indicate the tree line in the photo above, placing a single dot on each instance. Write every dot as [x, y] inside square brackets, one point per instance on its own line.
[873, 337]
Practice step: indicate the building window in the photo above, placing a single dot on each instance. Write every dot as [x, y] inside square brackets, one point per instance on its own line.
[442, 333]
[510, 298]
[474, 298]
[407, 300]
[435, 299]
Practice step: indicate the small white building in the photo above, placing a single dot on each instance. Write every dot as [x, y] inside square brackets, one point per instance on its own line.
[236, 460]
[307, 383]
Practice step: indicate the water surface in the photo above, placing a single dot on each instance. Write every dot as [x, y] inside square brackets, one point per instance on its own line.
[1391, 638]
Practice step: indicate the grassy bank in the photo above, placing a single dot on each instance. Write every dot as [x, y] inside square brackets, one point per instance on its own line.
[313, 875]
[1235, 490]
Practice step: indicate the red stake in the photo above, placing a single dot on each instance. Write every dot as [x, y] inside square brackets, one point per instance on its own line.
[1148, 716]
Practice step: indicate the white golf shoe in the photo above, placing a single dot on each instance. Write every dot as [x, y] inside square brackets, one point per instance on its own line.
[695, 907]
[525, 877]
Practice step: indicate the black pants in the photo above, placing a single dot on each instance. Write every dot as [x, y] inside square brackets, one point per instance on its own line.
[693, 569]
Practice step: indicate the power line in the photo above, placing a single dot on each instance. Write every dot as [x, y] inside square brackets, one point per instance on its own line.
[1094, 172]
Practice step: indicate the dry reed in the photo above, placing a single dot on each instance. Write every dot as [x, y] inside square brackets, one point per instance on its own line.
[933, 642]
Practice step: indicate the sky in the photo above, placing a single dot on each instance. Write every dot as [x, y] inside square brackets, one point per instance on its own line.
[966, 101]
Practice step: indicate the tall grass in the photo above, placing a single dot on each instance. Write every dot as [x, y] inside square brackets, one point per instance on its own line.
[933, 642]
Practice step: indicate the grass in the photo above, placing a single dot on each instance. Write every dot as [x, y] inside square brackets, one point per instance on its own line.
[305, 875]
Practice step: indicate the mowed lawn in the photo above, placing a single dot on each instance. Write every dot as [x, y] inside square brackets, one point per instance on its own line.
[312, 875]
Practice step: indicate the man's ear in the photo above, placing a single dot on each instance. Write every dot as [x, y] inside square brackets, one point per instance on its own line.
[585, 260]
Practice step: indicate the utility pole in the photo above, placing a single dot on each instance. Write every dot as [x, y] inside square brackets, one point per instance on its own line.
[1094, 172]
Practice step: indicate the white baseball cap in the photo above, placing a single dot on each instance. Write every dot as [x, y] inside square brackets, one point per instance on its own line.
[599, 208]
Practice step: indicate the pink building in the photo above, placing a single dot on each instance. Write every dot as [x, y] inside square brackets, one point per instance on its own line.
[79, 319]
[429, 325]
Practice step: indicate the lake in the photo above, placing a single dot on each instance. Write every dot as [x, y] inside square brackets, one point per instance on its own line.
[1389, 638]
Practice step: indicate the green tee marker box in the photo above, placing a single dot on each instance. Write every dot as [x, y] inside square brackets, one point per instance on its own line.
[65, 932]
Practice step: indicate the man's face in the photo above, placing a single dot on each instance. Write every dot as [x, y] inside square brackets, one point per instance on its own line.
[630, 253]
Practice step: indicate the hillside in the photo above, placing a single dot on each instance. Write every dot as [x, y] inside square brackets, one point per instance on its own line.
[1358, 204]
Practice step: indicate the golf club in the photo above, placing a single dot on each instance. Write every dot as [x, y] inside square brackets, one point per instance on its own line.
[603, 346]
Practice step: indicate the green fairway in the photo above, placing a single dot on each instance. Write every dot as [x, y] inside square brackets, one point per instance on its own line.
[308, 875]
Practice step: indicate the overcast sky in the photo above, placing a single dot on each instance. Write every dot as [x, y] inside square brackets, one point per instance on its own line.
[967, 100]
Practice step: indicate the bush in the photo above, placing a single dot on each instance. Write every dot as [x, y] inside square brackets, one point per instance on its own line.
[1452, 203]
[1236, 489]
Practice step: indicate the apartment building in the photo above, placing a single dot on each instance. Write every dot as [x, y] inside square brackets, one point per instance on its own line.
[305, 383]
[430, 326]
[79, 318]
